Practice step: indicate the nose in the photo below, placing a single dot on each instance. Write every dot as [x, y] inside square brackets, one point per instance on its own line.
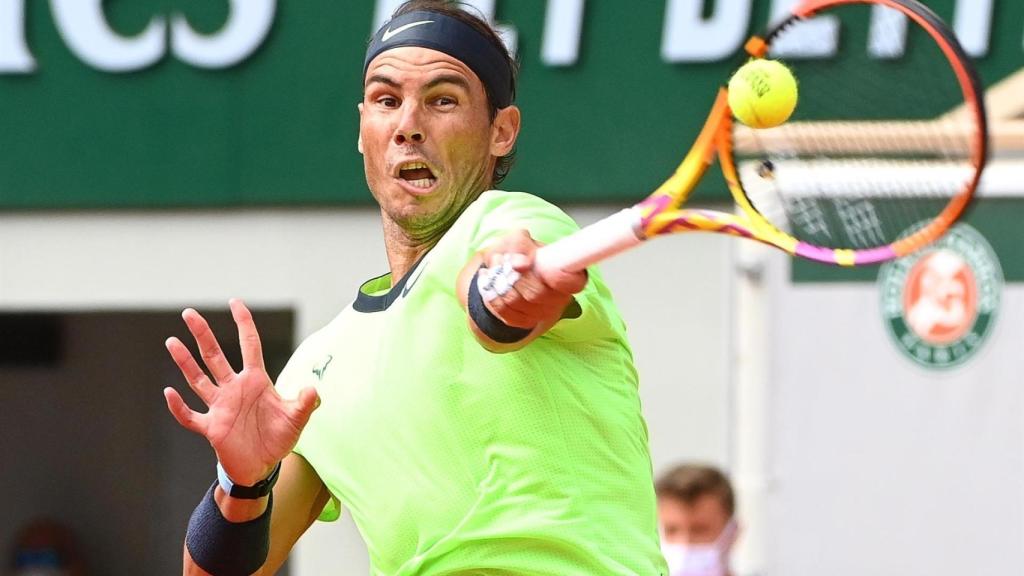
[409, 129]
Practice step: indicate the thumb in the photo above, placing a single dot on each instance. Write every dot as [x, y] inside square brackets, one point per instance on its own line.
[565, 282]
[521, 262]
[305, 404]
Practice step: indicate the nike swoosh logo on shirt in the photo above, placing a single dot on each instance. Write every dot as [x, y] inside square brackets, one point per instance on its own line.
[389, 33]
[408, 285]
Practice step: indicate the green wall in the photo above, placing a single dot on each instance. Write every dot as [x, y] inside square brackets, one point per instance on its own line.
[280, 128]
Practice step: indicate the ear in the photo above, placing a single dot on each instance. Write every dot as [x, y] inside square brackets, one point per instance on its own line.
[359, 140]
[505, 130]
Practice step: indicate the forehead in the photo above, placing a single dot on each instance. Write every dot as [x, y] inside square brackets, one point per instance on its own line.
[706, 509]
[411, 62]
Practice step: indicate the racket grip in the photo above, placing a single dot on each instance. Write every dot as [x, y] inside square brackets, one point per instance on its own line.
[602, 239]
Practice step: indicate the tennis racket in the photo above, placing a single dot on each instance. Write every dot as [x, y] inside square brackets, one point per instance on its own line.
[840, 183]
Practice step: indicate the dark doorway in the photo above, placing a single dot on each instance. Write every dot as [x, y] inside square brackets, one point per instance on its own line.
[85, 436]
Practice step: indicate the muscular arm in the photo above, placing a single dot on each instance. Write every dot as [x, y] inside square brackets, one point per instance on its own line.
[251, 429]
[299, 496]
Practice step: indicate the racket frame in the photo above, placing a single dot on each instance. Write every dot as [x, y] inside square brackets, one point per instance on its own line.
[660, 213]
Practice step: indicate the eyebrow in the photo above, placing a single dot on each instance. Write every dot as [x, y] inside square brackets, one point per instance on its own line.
[449, 79]
[442, 79]
[382, 79]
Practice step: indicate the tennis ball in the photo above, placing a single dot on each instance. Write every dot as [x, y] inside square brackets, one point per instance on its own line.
[762, 93]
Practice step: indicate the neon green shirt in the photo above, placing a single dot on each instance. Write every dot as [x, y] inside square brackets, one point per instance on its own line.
[455, 460]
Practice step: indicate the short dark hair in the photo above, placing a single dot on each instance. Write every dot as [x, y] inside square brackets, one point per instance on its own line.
[467, 15]
[689, 482]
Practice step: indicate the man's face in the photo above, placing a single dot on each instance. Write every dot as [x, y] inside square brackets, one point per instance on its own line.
[428, 143]
[698, 523]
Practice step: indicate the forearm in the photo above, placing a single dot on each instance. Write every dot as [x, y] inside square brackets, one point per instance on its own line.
[271, 566]
[238, 510]
[192, 569]
[233, 510]
[298, 498]
[229, 537]
[485, 339]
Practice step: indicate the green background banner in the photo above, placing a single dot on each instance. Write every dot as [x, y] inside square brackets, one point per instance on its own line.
[280, 127]
[997, 219]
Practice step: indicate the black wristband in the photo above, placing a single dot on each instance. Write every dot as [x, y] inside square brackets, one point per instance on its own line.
[225, 548]
[256, 491]
[487, 322]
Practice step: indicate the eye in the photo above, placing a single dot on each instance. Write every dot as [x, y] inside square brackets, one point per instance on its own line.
[388, 101]
[446, 101]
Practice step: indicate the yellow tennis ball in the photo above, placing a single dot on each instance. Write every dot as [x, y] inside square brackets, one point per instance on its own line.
[762, 93]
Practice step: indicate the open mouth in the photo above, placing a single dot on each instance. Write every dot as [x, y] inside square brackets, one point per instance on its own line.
[417, 174]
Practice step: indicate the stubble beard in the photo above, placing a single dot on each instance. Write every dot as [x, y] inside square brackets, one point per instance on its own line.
[419, 225]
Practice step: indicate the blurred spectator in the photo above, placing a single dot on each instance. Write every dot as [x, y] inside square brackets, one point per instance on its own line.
[695, 517]
[46, 548]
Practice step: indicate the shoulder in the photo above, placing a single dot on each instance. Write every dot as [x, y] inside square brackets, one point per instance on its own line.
[311, 354]
[503, 201]
[496, 212]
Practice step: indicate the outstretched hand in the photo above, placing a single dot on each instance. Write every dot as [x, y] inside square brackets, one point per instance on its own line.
[249, 425]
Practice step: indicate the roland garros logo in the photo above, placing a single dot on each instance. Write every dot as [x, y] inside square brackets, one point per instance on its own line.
[940, 304]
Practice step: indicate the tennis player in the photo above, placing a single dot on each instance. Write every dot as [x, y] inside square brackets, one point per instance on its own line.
[469, 426]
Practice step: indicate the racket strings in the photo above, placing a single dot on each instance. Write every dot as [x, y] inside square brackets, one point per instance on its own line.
[879, 142]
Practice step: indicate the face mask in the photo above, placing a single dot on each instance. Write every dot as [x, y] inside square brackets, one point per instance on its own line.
[40, 571]
[701, 559]
[38, 563]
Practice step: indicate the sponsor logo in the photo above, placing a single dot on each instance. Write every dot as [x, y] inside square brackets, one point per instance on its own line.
[389, 33]
[940, 304]
[320, 371]
[412, 281]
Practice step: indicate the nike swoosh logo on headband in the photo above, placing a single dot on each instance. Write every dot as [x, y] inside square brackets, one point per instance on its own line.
[389, 33]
